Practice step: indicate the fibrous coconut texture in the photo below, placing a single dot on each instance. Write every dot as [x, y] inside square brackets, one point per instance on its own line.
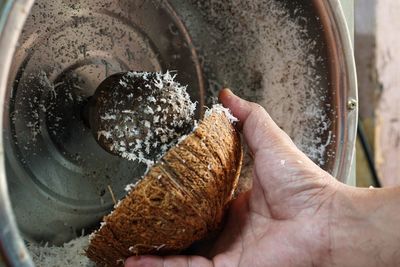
[140, 115]
[180, 200]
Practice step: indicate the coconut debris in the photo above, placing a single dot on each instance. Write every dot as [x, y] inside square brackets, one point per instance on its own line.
[70, 254]
[266, 52]
[218, 108]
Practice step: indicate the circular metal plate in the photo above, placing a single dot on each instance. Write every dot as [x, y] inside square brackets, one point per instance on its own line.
[66, 50]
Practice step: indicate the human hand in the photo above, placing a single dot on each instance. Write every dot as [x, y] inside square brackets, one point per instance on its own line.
[284, 219]
[292, 215]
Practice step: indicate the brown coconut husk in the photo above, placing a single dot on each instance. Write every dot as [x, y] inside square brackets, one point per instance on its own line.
[181, 199]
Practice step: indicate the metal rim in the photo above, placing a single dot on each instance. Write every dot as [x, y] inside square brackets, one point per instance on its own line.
[13, 17]
[348, 86]
[12, 246]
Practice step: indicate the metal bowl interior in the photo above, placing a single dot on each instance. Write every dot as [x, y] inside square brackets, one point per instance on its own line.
[292, 57]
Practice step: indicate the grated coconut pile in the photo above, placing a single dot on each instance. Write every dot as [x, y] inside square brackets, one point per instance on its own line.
[68, 255]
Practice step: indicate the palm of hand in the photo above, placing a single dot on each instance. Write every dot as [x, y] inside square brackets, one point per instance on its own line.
[272, 227]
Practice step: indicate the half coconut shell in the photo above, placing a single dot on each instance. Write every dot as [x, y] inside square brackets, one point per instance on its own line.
[181, 199]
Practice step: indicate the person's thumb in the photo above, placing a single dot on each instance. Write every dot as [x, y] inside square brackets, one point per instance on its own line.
[170, 261]
[259, 130]
[281, 170]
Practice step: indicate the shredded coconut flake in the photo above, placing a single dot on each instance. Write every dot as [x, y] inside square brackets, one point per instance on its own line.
[279, 65]
[129, 187]
[218, 108]
[70, 254]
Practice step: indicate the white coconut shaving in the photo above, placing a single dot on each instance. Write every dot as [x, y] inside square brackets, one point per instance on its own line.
[218, 108]
[264, 52]
[70, 254]
[129, 187]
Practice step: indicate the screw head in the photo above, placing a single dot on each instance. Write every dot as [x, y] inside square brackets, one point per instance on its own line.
[352, 104]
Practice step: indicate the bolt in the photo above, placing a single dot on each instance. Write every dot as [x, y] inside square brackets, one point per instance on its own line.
[352, 104]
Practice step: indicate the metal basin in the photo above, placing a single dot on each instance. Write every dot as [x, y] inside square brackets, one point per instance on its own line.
[292, 57]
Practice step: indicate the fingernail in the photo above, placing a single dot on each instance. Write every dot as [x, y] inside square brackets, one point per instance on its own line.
[228, 91]
[225, 93]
